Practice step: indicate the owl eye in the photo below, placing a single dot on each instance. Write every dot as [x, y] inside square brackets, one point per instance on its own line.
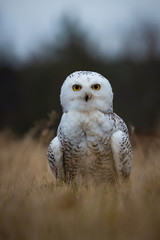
[96, 87]
[76, 87]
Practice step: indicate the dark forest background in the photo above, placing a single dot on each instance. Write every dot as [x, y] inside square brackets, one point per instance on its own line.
[29, 91]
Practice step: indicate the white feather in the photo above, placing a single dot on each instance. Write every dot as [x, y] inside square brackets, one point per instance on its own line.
[122, 153]
[90, 136]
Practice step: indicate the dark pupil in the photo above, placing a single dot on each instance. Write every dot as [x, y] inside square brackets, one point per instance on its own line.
[76, 87]
[95, 86]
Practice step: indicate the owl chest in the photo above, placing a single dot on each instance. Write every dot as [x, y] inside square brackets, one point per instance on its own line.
[86, 148]
[88, 137]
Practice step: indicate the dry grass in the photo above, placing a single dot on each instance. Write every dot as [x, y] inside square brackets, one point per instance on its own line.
[33, 206]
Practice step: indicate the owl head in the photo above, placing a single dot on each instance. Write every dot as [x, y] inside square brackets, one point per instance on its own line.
[86, 91]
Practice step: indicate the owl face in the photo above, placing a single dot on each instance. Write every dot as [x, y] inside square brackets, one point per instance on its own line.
[86, 91]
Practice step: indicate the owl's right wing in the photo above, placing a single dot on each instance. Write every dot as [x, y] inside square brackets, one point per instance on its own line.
[55, 158]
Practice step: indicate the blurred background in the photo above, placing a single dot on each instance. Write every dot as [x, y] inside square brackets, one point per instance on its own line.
[42, 42]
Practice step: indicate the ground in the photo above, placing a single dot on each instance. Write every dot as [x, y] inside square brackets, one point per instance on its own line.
[33, 206]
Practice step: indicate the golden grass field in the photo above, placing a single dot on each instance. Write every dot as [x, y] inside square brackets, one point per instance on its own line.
[34, 207]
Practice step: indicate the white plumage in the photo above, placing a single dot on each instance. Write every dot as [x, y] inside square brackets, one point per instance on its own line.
[92, 142]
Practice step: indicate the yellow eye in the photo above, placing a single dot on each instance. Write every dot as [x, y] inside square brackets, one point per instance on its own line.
[76, 87]
[96, 87]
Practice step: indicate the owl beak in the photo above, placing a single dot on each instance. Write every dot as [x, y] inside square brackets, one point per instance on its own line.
[87, 97]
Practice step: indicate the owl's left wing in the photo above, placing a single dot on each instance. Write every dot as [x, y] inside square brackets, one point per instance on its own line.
[122, 153]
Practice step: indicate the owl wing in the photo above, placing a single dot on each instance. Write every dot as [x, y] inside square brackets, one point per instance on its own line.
[122, 153]
[55, 158]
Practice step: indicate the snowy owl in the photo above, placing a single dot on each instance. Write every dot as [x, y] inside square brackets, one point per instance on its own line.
[92, 142]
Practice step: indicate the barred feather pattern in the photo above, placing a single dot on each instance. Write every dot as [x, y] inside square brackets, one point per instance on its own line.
[51, 161]
[94, 160]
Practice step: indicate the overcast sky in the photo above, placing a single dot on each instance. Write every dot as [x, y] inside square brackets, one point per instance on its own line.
[25, 24]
